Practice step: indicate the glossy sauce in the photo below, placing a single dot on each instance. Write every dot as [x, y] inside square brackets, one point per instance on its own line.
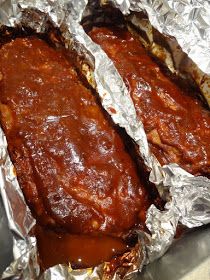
[79, 250]
[72, 165]
[176, 123]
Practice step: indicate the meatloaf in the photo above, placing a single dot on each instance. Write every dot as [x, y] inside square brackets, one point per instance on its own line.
[71, 162]
[176, 123]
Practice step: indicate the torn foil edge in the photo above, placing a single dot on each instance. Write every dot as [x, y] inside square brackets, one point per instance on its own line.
[160, 223]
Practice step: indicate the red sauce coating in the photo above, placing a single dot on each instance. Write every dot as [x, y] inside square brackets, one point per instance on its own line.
[176, 124]
[81, 250]
[71, 163]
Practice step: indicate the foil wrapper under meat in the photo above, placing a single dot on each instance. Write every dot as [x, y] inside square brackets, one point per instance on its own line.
[185, 190]
[189, 196]
[36, 17]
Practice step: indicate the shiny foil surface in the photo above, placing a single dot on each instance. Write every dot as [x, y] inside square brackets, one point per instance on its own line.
[188, 196]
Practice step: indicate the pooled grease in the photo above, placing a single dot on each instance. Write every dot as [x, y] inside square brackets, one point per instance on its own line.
[80, 251]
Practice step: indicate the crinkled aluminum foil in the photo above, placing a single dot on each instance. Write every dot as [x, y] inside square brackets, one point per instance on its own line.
[114, 95]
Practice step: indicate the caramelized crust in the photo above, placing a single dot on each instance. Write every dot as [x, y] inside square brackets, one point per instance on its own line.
[176, 124]
[71, 162]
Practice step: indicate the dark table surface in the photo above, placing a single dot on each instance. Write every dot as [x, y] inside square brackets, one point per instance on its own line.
[5, 240]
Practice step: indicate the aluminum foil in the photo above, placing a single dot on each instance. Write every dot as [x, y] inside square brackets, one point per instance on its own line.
[101, 74]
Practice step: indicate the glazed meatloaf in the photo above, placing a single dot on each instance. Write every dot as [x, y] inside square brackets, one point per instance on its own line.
[71, 162]
[176, 123]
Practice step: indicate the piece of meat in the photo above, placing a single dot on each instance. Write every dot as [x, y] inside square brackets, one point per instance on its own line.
[176, 123]
[71, 162]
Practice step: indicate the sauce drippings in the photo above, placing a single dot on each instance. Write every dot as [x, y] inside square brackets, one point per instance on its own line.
[80, 251]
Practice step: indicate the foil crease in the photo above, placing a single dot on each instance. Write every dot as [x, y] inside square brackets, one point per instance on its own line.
[162, 226]
[190, 196]
[110, 86]
[173, 182]
[189, 204]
